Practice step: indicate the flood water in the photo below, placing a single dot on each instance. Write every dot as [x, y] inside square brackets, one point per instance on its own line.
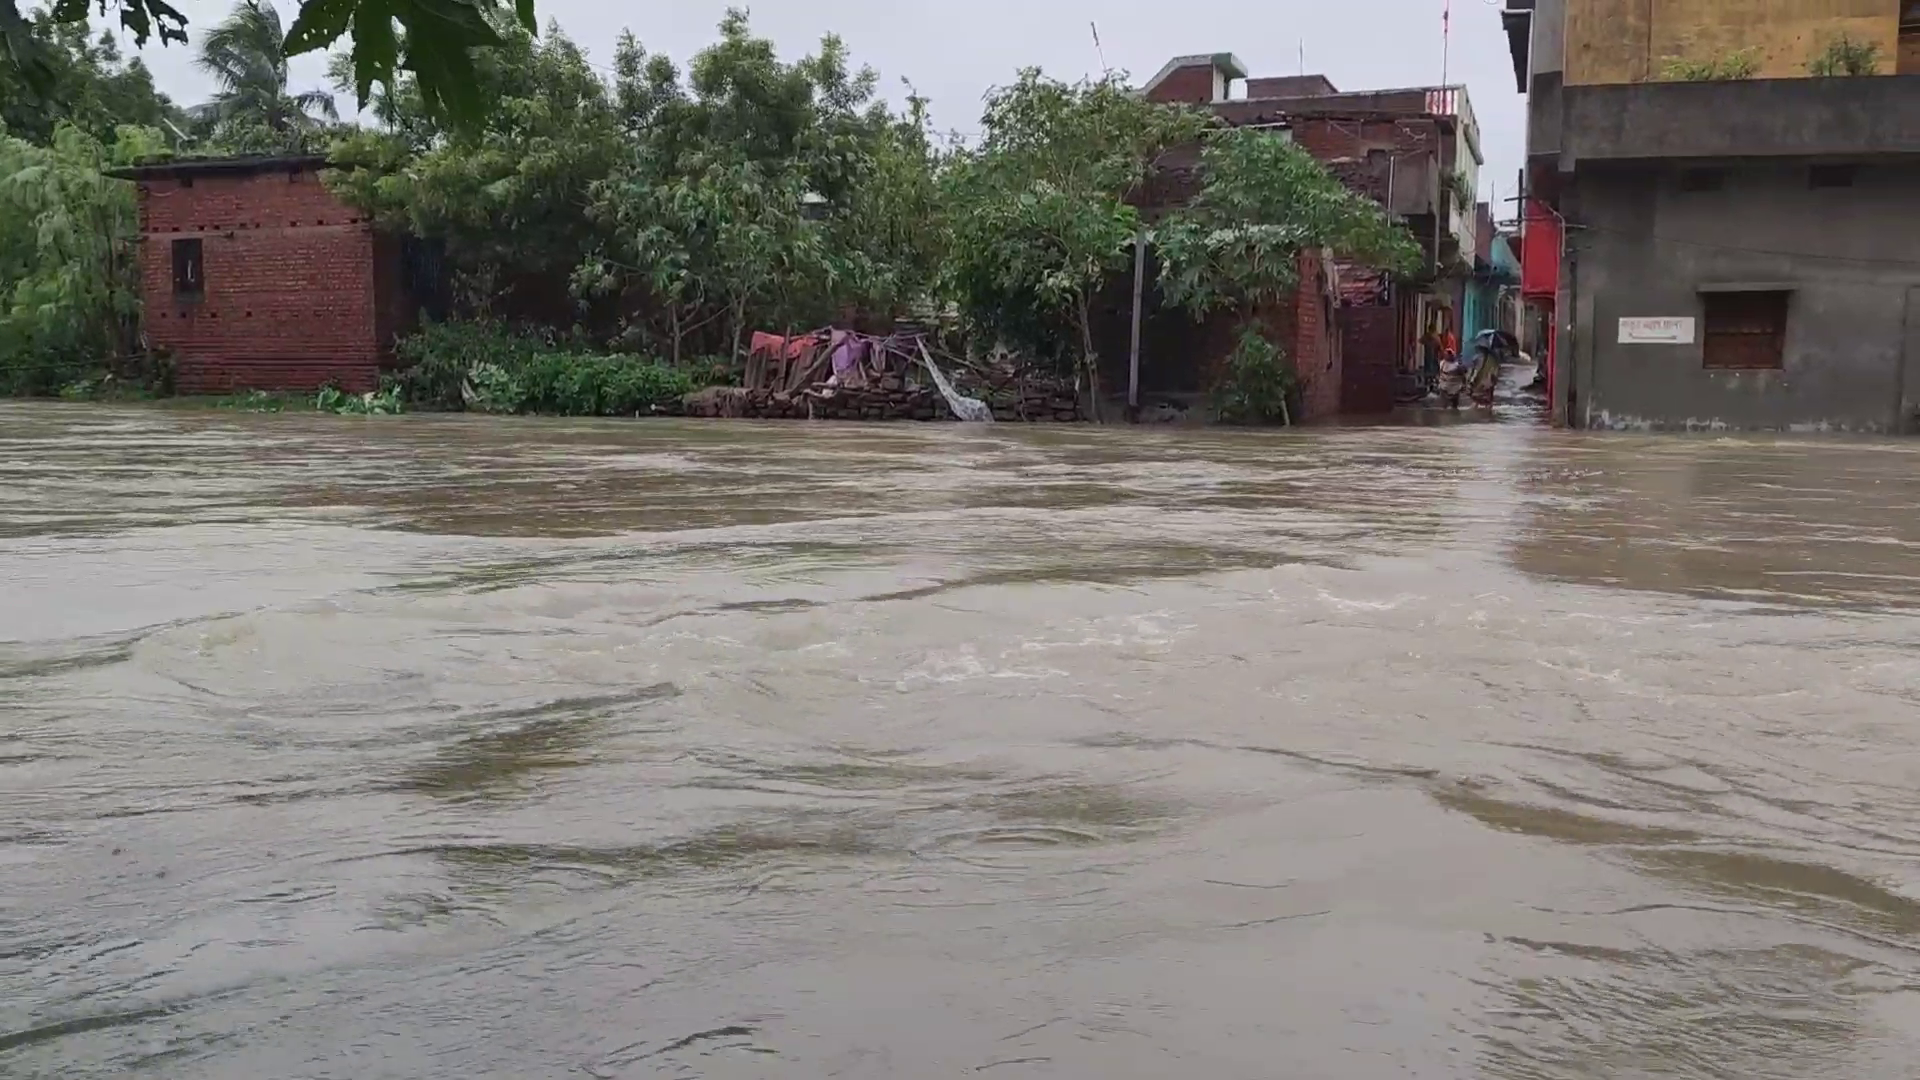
[444, 747]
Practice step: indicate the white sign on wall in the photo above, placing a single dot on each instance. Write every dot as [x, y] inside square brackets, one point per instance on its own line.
[1660, 330]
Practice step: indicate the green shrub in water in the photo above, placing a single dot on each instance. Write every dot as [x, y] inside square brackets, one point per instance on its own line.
[484, 367]
[1258, 382]
[385, 401]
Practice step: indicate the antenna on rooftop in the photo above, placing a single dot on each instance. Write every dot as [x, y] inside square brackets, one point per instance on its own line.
[1446, 34]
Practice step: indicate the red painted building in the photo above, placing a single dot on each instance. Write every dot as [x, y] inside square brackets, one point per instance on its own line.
[255, 277]
[1541, 244]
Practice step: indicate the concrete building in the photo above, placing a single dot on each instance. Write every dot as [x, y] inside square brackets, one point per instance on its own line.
[1416, 151]
[254, 276]
[1486, 295]
[1728, 252]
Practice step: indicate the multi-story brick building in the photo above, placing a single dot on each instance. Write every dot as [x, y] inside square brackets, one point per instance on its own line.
[1720, 220]
[1415, 151]
[255, 276]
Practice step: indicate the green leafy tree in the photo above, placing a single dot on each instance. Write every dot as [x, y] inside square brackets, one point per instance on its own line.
[255, 109]
[509, 198]
[93, 87]
[1236, 246]
[1040, 211]
[430, 40]
[757, 192]
[734, 239]
[69, 279]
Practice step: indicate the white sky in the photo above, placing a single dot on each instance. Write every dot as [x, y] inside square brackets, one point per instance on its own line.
[955, 51]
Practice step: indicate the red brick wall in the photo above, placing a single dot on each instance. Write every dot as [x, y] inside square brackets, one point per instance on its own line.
[1370, 351]
[1185, 86]
[1316, 353]
[1336, 140]
[1373, 340]
[289, 298]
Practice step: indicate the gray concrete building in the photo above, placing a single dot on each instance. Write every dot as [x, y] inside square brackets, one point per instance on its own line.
[1738, 253]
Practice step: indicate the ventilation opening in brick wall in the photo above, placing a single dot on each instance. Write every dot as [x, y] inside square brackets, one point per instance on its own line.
[1744, 331]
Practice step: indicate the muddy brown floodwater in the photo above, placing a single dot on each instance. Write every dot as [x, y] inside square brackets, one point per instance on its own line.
[438, 747]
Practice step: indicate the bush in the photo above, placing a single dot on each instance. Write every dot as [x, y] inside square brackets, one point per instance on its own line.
[436, 359]
[1844, 56]
[1743, 64]
[484, 367]
[382, 402]
[1257, 383]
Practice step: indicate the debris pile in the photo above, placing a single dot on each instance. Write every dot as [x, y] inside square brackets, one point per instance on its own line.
[841, 375]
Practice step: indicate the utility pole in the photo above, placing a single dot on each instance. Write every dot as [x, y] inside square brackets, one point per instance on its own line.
[1133, 356]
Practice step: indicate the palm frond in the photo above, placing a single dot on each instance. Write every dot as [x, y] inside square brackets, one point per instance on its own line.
[316, 101]
[245, 49]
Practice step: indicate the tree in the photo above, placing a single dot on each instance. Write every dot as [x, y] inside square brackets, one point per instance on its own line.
[69, 280]
[246, 57]
[93, 88]
[734, 237]
[1041, 212]
[761, 192]
[509, 198]
[433, 44]
[1237, 245]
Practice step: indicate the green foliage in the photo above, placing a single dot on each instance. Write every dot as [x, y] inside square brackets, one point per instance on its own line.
[30, 61]
[509, 197]
[428, 42]
[1845, 56]
[1262, 203]
[485, 367]
[1237, 245]
[1740, 64]
[1257, 383]
[385, 401]
[69, 277]
[577, 384]
[261, 401]
[91, 87]
[685, 208]
[761, 193]
[254, 111]
[1039, 212]
[436, 359]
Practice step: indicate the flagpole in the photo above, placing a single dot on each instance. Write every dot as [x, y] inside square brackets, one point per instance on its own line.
[1446, 34]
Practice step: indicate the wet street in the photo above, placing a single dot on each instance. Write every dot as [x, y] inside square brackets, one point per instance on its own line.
[459, 748]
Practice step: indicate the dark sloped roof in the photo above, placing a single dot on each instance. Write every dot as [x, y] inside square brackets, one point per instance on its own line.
[173, 168]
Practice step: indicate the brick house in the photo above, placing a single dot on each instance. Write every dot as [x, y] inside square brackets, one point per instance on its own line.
[254, 276]
[1415, 151]
[1180, 358]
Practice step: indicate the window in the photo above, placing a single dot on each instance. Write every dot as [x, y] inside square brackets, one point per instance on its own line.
[189, 271]
[1830, 176]
[1744, 331]
[1703, 179]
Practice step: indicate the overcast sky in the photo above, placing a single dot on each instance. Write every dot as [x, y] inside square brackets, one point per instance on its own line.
[954, 50]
